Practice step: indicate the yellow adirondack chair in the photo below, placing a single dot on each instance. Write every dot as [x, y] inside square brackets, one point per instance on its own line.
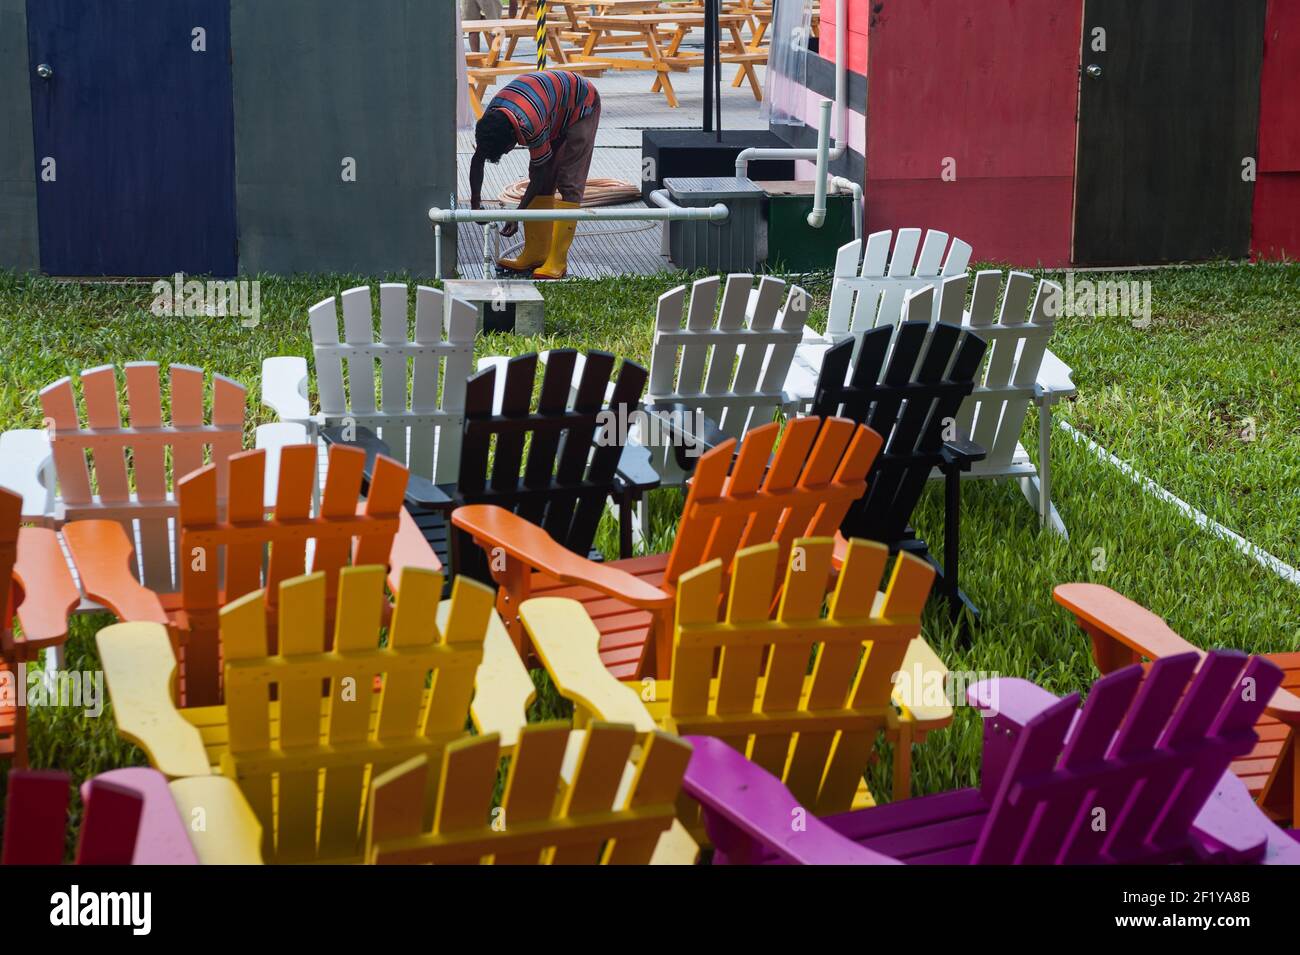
[304, 762]
[752, 679]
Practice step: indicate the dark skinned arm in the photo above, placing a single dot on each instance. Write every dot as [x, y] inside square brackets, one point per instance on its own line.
[541, 182]
[476, 180]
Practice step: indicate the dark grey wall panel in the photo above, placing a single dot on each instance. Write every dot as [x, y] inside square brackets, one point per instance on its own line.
[320, 80]
[19, 241]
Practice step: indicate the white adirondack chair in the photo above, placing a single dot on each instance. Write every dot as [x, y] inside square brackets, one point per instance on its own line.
[78, 466]
[730, 367]
[419, 420]
[869, 289]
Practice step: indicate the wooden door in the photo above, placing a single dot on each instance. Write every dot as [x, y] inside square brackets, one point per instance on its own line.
[132, 116]
[1168, 118]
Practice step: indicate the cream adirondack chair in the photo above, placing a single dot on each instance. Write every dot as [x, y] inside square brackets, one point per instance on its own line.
[716, 370]
[743, 675]
[715, 376]
[88, 464]
[421, 378]
[870, 288]
[1018, 368]
[377, 799]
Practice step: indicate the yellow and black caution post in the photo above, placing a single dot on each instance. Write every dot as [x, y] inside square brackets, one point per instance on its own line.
[541, 33]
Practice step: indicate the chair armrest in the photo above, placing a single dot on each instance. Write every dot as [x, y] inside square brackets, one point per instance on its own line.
[1231, 828]
[635, 472]
[421, 493]
[27, 469]
[523, 541]
[503, 690]
[801, 379]
[409, 549]
[140, 670]
[674, 414]
[1123, 631]
[163, 837]
[102, 555]
[231, 834]
[284, 387]
[747, 812]
[568, 644]
[274, 438]
[49, 593]
[1055, 379]
[962, 452]
[923, 669]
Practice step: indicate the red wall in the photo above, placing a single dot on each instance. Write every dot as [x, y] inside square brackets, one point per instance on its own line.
[996, 89]
[1275, 225]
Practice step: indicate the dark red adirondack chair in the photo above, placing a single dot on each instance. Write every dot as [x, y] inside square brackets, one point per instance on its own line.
[36, 818]
[1139, 775]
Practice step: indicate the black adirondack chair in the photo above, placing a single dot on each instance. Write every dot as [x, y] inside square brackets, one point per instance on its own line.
[555, 464]
[907, 384]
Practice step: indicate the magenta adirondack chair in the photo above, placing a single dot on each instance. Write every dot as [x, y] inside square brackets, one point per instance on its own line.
[1140, 775]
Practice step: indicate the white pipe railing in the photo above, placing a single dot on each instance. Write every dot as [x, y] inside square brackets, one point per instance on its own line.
[665, 210]
[817, 217]
[841, 107]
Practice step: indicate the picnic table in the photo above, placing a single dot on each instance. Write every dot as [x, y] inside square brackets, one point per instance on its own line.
[640, 35]
[485, 68]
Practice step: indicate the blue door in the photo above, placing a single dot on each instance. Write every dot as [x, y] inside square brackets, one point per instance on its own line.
[132, 116]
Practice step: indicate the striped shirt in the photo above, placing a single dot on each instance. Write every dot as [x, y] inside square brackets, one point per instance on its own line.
[541, 106]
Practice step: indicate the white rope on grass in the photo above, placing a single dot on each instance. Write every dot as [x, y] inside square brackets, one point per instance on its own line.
[1253, 551]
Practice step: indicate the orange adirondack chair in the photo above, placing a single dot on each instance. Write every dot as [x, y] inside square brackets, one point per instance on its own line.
[801, 491]
[1124, 632]
[227, 555]
[38, 594]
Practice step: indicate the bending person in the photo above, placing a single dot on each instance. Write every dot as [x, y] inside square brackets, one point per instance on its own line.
[554, 114]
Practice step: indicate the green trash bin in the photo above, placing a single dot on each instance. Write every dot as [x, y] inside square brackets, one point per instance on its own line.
[792, 244]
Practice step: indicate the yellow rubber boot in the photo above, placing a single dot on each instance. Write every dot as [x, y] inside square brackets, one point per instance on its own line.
[557, 262]
[537, 241]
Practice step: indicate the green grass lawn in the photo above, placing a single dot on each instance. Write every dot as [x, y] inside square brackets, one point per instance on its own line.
[1204, 400]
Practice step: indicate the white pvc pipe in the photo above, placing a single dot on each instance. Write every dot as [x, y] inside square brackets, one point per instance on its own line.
[839, 182]
[841, 106]
[670, 212]
[666, 211]
[817, 217]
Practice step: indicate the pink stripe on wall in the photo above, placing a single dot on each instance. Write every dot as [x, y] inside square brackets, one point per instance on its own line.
[810, 114]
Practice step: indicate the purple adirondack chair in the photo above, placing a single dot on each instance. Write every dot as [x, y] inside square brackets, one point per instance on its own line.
[1139, 775]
